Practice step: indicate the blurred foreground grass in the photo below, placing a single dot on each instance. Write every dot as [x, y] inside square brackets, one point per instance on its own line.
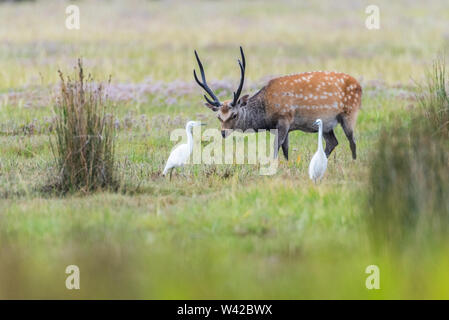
[213, 231]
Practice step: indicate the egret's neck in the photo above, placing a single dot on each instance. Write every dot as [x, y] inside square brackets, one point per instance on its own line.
[320, 137]
[189, 138]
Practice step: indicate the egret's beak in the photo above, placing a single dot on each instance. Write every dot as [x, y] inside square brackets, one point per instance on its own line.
[203, 124]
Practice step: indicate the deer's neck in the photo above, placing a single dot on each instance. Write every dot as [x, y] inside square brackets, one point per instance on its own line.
[252, 115]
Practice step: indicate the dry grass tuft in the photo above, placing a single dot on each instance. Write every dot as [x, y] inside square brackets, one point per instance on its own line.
[83, 144]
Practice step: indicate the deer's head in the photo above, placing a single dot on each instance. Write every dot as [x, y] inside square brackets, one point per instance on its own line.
[228, 110]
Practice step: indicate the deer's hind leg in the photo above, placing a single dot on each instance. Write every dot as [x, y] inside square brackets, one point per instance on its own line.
[331, 142]
[348, 122]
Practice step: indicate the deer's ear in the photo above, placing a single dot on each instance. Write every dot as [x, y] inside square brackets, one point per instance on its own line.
[243, 100]
[211, 106]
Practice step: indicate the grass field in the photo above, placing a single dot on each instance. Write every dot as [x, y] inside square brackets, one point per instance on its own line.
[214, 231]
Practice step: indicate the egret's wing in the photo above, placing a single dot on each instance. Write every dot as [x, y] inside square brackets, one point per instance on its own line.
[312, 167]
[322, 165]
[179, 156]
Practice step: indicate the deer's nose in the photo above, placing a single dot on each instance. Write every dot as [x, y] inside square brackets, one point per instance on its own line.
[223, 133]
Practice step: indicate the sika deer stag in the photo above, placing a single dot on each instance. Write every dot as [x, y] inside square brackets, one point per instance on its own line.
[288, 103]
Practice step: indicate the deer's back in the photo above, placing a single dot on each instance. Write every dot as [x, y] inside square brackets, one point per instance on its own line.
[302, 98]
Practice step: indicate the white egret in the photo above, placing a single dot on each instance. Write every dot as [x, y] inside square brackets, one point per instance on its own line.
[318, 164]
[179, 156]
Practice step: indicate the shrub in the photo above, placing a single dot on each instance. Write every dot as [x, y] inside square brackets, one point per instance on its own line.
[409, 178]
[83, 144]
[434, 99]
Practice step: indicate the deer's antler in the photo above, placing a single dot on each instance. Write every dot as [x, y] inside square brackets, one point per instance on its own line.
[204, 85]
[242, 65]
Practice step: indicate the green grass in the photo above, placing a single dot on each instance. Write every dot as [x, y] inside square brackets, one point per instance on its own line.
[213, 231]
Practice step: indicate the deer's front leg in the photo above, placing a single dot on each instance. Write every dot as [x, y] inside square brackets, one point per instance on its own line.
[285, 147]
[281, 136]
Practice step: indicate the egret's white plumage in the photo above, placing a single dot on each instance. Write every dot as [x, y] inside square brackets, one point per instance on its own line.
[179, 156]
[318, 164]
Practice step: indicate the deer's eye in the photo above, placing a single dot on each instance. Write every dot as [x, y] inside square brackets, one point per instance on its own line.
[234, 116]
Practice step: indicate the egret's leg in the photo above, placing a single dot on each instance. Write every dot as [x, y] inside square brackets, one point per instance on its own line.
[171, 170]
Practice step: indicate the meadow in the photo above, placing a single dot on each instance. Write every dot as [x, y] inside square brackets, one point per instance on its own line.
[213, 231]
